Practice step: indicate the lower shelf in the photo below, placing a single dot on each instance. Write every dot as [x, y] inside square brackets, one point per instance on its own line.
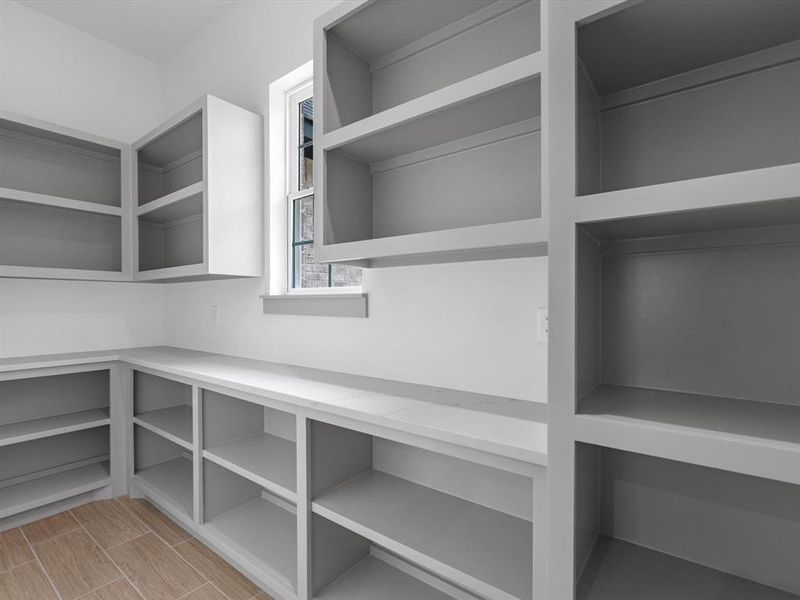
[265, 532]
[374, 578]
[14, 433]
[20, 497]
[173, 423]
[622, 571]
[172, 480]
[476, 547]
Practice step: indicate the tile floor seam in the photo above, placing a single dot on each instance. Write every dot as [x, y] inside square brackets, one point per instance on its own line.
[101, 587]
[62, 534]
[41, 566]
[22, 564]
[153, 531]
[133, 514]
[202, 585]
[116, 566]
[126, 541]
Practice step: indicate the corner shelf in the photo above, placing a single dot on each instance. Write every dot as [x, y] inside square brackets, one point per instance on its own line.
[173, 423]
[265, 459]
[454, 538]
[45, 490]
[15, 433]
[620, 570]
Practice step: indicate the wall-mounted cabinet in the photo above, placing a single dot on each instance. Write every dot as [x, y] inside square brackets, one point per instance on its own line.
[653, 528]
[430, 132]
[709, 91]
[64, 203]
[199, 195]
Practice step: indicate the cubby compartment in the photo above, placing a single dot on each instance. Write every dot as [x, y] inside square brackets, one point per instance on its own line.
[260, 527]
[163, 469]
[472, 163]
[172, 161]
[382, 55]
[172, 236]
[467, 523]
[252, 440]
[347, 566]
[709, 90]
[40, 407]
[41, 471]
[648, 527]
[49, 163]
[687, 326]
[163, 406]
[43, 236]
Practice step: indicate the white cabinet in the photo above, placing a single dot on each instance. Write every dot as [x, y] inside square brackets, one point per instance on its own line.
[198, 195]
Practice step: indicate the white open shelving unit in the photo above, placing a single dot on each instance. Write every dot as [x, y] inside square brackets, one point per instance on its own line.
[198, 194]
[429, 127]
[54, 439]
[674, 248]
[64, 202]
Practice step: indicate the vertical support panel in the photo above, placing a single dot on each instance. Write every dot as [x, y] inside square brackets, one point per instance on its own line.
[120, 446]
[197, 455]
[128, 386]
[303, 510]
[540, 558]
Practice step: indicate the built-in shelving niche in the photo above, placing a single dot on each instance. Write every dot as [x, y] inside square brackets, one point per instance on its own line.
[54, 439]
[465, 523]
[164, 470]
[710, 90]
[163, 406]
[648, 527]
[687, 325]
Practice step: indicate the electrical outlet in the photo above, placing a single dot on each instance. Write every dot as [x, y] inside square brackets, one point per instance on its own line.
[543, 324]
[214, 314]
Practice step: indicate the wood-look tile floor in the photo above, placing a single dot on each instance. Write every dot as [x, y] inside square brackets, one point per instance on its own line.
[122, 549]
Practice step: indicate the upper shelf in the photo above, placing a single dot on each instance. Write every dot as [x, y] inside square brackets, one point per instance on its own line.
[59, 202]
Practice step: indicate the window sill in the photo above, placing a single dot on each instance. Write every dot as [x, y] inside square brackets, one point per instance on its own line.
[319, 305]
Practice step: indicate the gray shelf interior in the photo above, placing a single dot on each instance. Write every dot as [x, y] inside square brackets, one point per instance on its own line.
[384, 54]
[26, 402]
[469, 517]
[172, 236]
[708, 91]
[664, 320]
[163, 403]
[653, 528]
[43, 162]
[473, 163]
[165, 466]
[35, 235]
[171, 161]
[255, 438]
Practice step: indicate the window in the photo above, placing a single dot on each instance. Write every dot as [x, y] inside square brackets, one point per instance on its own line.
[304, 273]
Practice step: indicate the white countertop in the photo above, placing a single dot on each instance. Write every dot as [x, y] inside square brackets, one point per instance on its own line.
[504, 426]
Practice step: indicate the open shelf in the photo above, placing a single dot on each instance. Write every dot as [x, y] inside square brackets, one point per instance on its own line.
[373, 578]
[173, 423]
[59, 202]
[254, 441]
[702, 96]
[262, 532]
[381, 55]
[171, 161]
[164, 469]
[33, 493]
[14, 433]
[171, 235]
[619, 570]
[466, 523]
[648, 527]
[51, 163]
[44, 236]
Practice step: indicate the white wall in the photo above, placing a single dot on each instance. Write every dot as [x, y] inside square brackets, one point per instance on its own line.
[54, 72]
[469, 326]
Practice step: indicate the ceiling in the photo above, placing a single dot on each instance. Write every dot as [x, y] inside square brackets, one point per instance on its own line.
[153, 29]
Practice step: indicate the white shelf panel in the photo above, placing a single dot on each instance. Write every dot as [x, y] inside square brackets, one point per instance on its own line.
[622, 571]
[58, 202]
[171, 480]
[373, 578]
[477, 548]
[265, 534]
[457, 107]
[266, 459]
[180, 204]
[12, 271]
[756, 438]
[173, 423]
[45, 490]
[527, 237]
[14, 433]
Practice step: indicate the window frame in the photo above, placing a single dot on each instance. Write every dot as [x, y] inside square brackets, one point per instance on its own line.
[294, 98]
